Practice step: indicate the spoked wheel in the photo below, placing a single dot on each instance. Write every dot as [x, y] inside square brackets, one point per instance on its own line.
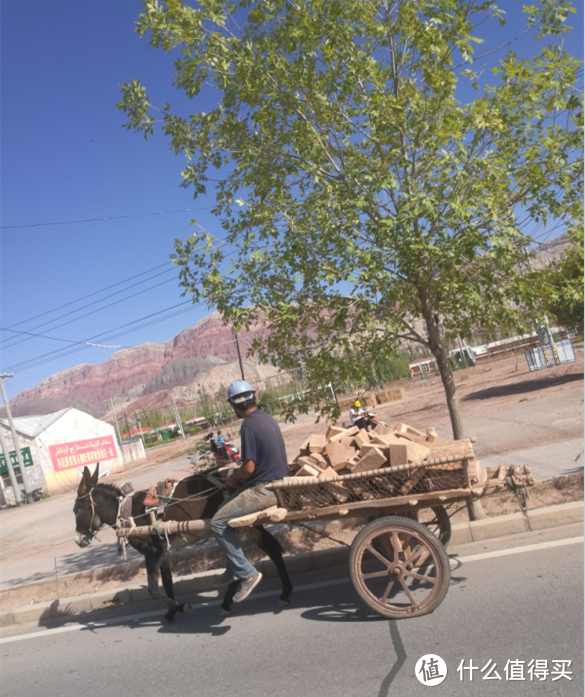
[399, 568]
[437, 520]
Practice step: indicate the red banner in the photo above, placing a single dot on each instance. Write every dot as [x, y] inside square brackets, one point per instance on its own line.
[82, 452]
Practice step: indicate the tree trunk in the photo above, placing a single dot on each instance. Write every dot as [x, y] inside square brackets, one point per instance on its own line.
[445, 370]
[474, 508]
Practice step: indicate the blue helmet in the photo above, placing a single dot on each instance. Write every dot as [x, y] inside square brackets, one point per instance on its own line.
[239, 392]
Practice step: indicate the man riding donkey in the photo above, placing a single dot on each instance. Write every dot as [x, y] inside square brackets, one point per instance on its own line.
[264, 460]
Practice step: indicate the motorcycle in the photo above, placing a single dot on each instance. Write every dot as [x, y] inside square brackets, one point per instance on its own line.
[369, 420]
[224, 454]
[35, 495]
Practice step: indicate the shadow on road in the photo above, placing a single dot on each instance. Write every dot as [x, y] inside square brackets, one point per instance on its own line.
[103, 560]
[523, 387]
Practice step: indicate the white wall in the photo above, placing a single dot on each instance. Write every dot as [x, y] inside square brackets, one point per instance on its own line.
[72, 426]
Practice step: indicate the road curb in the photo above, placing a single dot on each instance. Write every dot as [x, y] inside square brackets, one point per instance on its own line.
[534, 520]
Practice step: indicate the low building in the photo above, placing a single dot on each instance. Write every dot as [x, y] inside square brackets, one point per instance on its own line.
[57, 447]
[422, 366]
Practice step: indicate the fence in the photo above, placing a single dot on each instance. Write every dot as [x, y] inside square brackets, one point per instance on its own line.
[551, 355]
[132, 451]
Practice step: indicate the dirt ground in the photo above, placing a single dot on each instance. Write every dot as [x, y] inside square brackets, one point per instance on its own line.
[507, 407]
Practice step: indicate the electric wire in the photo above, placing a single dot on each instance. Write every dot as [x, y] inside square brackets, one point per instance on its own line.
[87, 314]
[103, 336]
[90, 295]
[98, 220]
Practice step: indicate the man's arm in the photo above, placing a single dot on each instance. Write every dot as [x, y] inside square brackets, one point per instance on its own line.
[245, 471]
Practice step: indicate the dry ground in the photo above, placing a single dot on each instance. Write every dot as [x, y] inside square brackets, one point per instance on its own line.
[537, 408]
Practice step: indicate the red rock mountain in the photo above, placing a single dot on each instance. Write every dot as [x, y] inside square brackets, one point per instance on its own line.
[144, 374]
[150, 376]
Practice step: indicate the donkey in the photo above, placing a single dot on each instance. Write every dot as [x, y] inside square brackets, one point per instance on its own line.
[194, 498]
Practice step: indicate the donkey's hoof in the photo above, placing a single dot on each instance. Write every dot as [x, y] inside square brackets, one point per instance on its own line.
[283, 603]
[168, 618]
[186, 609]
[225, 612]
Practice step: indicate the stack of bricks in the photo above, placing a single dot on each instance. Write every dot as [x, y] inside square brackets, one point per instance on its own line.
[373, 398]
[352, 450]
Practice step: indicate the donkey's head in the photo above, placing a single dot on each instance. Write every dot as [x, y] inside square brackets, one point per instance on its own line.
[87, 519]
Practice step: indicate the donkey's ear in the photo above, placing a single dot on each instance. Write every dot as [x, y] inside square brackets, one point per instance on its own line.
[96, 475]
[85, 483]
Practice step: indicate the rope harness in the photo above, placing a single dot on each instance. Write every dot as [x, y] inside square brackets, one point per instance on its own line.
[124, 517]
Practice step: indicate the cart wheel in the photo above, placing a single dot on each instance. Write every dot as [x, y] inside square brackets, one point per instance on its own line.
[399, 568]
[437, 520]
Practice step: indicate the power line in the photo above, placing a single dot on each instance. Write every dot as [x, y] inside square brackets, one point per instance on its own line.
[87, 314]
[55, 338]
[98, 220]
[103, 336]
[90, 295]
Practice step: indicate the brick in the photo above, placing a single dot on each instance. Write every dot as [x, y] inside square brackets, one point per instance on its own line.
[409, 431]
[398, 455]
[351, 452]
[372, 460]
[336, 454]
[304, 450]
[361, 438]
[372, 446]
[387, 439]
[334, 431]
[318, 460]
[307, 471]
[303, 460]
[347, 432]
[317, 443]
[416, 451]
[431, 435]
[329, 472]
[382, 397]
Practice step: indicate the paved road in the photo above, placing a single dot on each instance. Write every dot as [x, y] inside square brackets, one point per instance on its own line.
[501, 607]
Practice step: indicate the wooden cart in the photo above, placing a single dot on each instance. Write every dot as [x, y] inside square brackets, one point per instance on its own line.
[398, 564]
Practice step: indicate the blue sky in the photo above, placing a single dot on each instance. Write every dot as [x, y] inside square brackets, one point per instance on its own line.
[65, 157]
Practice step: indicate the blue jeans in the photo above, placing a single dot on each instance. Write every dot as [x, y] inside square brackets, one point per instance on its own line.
[256, 498]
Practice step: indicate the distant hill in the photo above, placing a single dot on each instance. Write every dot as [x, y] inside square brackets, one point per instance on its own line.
[149, 376]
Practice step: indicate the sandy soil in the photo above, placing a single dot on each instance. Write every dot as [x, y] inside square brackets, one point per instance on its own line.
[503, 404]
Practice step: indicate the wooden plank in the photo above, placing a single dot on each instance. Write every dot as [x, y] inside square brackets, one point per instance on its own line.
[380, 504]
[171, 528]
[274, 514]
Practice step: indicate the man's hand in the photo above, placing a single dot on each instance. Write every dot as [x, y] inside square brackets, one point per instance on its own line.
[243, 472]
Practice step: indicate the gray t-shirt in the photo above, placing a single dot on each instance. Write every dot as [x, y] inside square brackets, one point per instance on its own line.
[263, 443]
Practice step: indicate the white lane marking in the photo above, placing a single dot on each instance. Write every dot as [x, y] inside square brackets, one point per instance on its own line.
[268, 594]
[518, 550]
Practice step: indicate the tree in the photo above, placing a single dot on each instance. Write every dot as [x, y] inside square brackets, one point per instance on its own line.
[564, 281]
[368, 172]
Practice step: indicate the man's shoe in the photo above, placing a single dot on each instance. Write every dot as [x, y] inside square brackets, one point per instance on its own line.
[246, 587]
[226, 579]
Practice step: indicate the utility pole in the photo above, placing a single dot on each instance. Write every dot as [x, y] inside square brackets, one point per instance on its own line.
[23, 474]
[139, 424]
[116, 420]
[11, 474]
[239, 355]
[178, 420]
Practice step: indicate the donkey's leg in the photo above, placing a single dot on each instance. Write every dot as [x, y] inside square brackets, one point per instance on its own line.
[226, 605]
[271, 547]
[153, 562]
[167, 581]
